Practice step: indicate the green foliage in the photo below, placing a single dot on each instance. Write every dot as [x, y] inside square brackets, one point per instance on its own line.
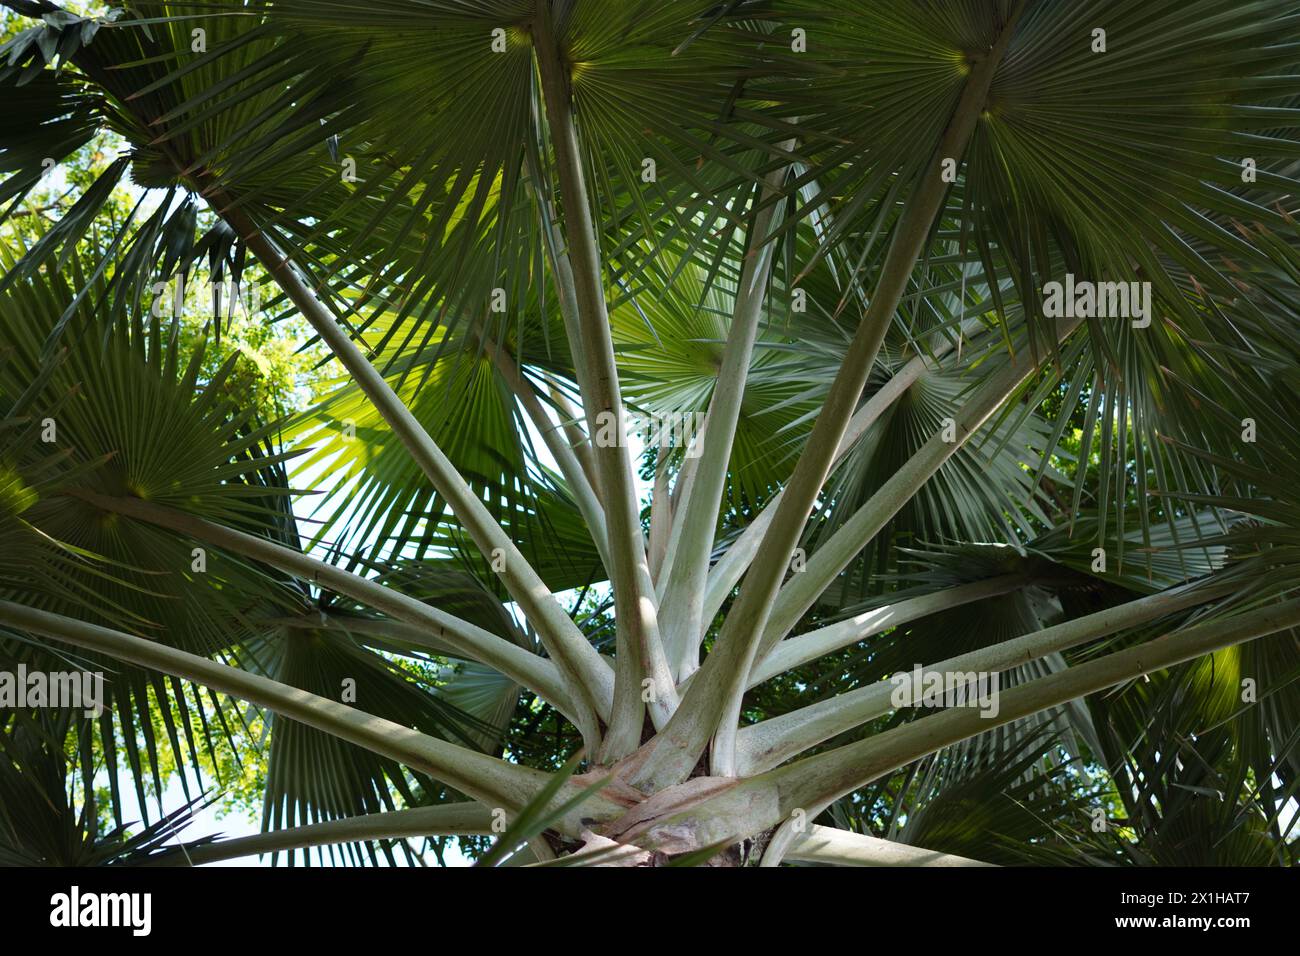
[407, 173]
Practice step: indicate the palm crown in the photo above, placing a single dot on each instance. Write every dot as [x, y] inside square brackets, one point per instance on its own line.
[892, 257]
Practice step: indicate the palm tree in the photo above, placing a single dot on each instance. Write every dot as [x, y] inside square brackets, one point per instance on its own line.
[986, 309]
